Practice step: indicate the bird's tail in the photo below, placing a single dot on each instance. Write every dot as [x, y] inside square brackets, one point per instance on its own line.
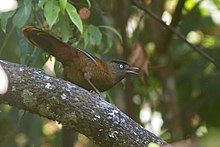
[42, 39]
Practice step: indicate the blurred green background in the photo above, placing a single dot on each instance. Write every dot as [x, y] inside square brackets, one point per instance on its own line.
[176, 95]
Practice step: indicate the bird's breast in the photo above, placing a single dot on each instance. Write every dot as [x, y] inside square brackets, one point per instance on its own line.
[100, 77]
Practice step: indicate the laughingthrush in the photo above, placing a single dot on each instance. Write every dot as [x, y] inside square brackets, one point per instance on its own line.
[80, 67]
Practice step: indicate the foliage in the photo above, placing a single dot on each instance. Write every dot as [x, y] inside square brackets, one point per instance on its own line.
[176, 78]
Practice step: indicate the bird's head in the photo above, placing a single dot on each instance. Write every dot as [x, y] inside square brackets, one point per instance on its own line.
[120, 69]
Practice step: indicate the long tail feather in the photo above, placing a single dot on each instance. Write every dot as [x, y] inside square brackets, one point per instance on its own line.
[42, 39]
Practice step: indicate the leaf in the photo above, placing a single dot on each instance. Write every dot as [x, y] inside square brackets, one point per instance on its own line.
[30, 55]
[93, 35]
[51, 12]
[74, 16]
[24, 52]
[58, 69]
[108, 97]
[217, 3]
[113, 30]
[65, 28]
[86, 38]
[4, 19]
[108, 45]
[41, 3]
[21, 17]
[139, 58]
[63, 5]
[89, 3]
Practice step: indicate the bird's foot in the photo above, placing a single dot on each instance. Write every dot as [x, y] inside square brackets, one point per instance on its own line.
[95, 92]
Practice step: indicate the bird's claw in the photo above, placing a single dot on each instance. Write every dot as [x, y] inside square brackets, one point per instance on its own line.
[95, 92]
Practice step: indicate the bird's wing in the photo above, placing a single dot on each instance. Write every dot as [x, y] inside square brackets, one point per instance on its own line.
[62, 51]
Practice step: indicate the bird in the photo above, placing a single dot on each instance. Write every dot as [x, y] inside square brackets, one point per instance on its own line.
[80, 67]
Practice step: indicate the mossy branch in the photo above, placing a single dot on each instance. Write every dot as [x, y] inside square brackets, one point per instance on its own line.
[32, 90]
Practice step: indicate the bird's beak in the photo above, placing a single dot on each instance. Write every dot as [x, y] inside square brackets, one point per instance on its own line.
[132, 70]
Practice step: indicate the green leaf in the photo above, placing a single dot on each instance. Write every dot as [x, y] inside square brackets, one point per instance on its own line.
[86, 38]
[65, 28]
[51, 12]
[4, 19]
[92, 35]
[58, 69]
[63, 5]
[74, 16]
[107, 97]
[21, 17]
[30, 55]
[113, 30]
[217, 3]
[89, 3]
[41, 3]
[153, 145]
[108, 45]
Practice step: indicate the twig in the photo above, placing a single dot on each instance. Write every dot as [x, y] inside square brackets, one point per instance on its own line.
[141, 5]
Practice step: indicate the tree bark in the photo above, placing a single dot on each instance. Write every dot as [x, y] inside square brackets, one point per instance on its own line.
[34, 91]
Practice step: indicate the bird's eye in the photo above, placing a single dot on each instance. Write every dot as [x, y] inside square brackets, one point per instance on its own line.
[121, 66]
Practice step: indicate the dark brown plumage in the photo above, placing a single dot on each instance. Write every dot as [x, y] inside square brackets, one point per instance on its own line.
[80, 67]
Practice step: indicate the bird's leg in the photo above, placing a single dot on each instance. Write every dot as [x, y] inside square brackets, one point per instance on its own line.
[93, 86]
[87, 78]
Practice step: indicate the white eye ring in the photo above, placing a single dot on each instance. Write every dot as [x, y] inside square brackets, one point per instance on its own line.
[121, 66]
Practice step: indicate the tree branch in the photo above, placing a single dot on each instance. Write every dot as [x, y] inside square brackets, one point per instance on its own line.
[199, 49]
[34, 91]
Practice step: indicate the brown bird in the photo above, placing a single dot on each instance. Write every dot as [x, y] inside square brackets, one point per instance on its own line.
[80, 67]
